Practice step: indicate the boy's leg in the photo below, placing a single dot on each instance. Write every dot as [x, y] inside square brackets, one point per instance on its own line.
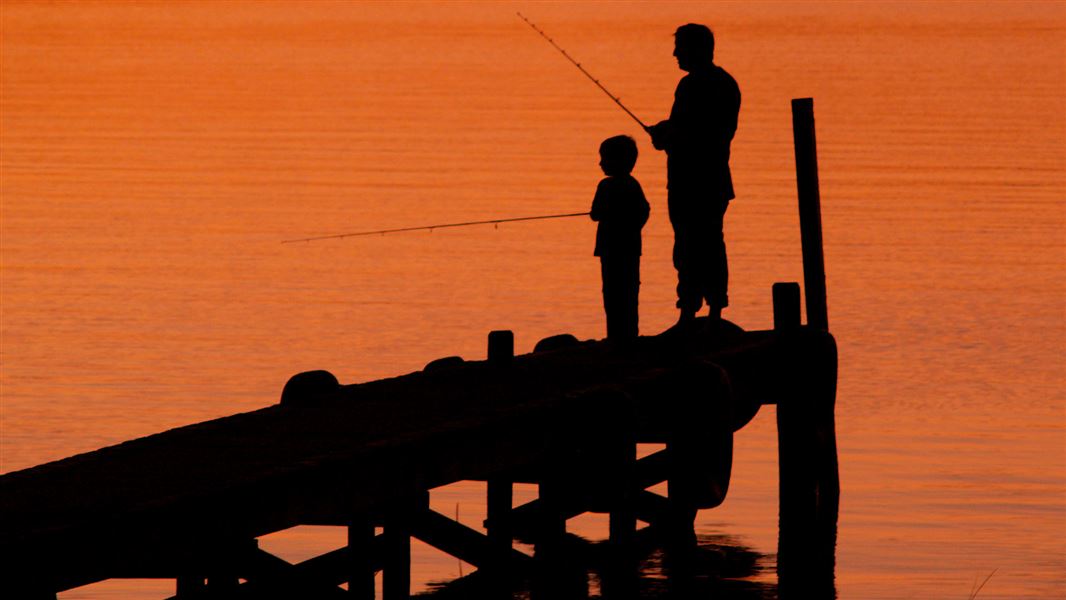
[631, 296]
[621, 287]
[609, 295]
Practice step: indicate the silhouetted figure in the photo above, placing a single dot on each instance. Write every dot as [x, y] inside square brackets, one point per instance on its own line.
[621, 210]
[696, 139]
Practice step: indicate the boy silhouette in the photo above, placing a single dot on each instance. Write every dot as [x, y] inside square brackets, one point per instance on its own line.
[621, 210]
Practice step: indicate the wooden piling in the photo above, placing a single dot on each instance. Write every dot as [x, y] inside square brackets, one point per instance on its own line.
[501, 347]
[499, 490]
[396, 574]
[810, 212]
[361, 584]
[809, 481]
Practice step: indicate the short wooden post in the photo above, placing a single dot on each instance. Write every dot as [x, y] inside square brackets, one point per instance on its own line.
[810, 211]
[786, 305]
[360, 559]
[501, 347]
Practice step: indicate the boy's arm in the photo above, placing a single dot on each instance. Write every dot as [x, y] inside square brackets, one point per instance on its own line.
[599, 203]
[643, 208]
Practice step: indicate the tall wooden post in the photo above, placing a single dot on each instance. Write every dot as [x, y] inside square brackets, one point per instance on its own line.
[810, 212]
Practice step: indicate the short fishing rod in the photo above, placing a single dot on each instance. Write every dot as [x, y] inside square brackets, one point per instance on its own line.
[587, 74]
[432, 227]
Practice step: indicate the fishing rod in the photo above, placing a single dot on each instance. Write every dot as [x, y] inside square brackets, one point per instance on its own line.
[432, 227]
[587, 74]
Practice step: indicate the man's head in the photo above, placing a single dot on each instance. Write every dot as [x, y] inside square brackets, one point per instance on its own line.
[693, 46]
[618, 155]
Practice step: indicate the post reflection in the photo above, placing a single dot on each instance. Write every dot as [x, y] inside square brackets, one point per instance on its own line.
[718, 566]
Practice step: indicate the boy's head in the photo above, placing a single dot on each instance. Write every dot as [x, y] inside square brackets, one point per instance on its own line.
[618, 155]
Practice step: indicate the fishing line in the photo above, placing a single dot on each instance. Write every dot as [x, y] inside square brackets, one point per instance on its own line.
[495, 222]
[582, 69]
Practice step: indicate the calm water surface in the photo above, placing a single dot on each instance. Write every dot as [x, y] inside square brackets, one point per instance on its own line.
[154, 155]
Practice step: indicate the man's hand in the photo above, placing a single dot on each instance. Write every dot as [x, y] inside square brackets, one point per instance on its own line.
[660, 135]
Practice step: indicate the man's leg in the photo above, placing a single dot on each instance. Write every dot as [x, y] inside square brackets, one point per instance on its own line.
[686, 254]
[717, 265]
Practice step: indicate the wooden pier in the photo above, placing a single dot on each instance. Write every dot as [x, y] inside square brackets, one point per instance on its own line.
[189, 504]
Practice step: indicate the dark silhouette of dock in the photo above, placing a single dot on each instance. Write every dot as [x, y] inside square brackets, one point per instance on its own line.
[188, 504]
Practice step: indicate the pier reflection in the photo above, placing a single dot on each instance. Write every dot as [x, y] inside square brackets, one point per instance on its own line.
[719, 567]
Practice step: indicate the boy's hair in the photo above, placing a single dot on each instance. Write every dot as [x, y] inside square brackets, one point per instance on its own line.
[697, 38]
[620, 151]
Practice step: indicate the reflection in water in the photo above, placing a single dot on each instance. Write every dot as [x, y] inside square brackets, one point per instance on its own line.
[719, 567]
[806, 560]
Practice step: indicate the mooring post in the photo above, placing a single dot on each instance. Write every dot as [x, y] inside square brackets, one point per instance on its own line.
[809, 483]
[360, 558]
[501, 347]
[810, 212]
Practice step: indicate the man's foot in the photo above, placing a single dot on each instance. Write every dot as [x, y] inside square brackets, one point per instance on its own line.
[715, 313]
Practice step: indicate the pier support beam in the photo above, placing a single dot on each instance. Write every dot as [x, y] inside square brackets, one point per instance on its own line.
[360, 559]
[190, 588]
[396, 576]
[499, 490]
[809, 479]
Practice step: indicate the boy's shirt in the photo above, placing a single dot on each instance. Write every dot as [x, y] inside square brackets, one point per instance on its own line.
[622, 210]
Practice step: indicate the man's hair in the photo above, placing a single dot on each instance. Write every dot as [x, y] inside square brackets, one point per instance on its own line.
[697, 38]
[621, 151]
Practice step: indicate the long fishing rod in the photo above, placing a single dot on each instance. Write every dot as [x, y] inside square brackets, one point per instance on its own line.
[432, 227]
[582, 69]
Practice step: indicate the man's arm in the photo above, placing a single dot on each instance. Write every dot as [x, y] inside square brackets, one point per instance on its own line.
[661, 135]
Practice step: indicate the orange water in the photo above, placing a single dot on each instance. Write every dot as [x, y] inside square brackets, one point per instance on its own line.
[154, 156]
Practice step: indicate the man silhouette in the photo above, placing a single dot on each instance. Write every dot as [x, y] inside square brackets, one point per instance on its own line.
[696, 139]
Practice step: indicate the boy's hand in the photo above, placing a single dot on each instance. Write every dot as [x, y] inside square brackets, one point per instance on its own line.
[660, 135]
